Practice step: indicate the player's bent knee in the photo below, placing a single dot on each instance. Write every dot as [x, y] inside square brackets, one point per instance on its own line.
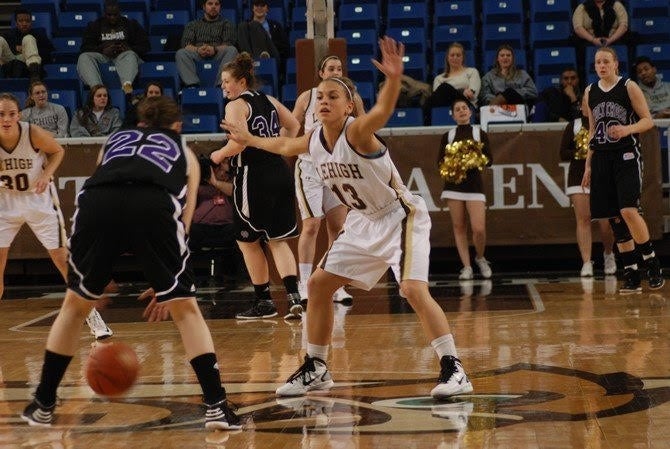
[620, 230]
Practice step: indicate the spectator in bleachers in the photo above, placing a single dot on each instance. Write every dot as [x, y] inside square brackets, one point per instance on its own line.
[39, 111]
[456, 82]
[263, 37]
[152, 89]
[97, 117]
[112, 39]
[505, 83]
[560, 103]
[24, 49]
[211, 38]
[602, 23]
[656, 92]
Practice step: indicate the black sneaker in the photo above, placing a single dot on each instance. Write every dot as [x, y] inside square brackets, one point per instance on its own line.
[260, 310]
[654, 273]
[220, 416]
[632, 282]
[37, 414]
[295, 308]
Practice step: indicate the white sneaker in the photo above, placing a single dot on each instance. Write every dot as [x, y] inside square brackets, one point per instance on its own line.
[610, 263]
[452, 380]
[484, 267]
[342, 296]
[465, 273]
[99, 329]
[312, 375]
[587, 269]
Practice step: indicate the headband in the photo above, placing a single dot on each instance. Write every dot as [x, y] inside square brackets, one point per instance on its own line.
[328, 58]
[344, 84]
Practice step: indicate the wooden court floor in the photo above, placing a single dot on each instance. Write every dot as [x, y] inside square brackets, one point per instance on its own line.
[556, 362]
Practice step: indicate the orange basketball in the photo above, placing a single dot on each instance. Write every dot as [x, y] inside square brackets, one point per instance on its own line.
[112, 368]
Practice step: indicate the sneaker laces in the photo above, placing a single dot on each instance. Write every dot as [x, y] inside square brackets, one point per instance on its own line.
[301, 373]
[448, 364]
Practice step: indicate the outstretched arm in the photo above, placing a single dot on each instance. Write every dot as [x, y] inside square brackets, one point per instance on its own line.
[360, 132]
[285, 146]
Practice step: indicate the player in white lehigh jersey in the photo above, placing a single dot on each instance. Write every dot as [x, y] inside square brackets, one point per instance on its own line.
[387, 226]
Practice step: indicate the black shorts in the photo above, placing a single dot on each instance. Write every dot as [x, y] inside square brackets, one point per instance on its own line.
[264, 200]
[111, 220]
[616, 181]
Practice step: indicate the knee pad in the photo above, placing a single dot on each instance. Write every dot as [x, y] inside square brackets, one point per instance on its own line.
[620, 229]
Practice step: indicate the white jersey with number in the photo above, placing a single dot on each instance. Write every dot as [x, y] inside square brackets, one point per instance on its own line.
[366, 183]
[387, 226]
[21, 166]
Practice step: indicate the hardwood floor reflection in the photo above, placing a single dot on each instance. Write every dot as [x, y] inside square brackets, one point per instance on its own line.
[555, 362]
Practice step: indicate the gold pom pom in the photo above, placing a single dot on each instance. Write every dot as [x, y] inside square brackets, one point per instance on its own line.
[581, 144]
[459, 157]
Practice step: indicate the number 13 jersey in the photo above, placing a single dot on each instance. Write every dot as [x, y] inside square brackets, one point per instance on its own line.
[367, 183]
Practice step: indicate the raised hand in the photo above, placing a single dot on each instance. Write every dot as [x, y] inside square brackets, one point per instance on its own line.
[391, 63]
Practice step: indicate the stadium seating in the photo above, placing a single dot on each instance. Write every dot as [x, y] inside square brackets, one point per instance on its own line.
[66, 49]
[508, 11]
[406, 117]
[289, 94]
[407, 15]
[202, 100]
[441, 116]
[648, 8]
[550, 61]
[550, 11]
[549, 34]
[208, 72]
[196, 124]
[83, 5]
[651, 30]
[454, 13]
[168, 22]
[358, 17]
[267, 71]
[163, 71]
[659, 54]
[359, 41]
[72, 23]
[414, 38]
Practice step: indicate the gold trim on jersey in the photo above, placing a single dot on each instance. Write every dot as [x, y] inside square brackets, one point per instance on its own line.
[406, 237]
[300, 190]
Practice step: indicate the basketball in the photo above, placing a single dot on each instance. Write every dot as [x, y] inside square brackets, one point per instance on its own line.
[112, 368]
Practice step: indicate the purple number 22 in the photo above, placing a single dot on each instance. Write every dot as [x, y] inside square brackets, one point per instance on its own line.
[157, 148]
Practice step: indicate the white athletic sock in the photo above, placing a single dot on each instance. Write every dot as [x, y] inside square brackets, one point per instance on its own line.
[305, 271]
[444, 345]
[317, 351]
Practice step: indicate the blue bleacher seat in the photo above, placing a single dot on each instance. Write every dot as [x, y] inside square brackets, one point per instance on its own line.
[83, 5]
[294, 36]
[508, 11]
[21, 96]
[202, 100]
[137, 16]
[135, 5]
[361, 69]
[416, 65]
[168, 22]
[71, 23]
[289, 94]
[163, 71]
[278, 14]
[550, 11]
[69, 99]
[62, 76]
[367, 93]
[109, 76]
[489, 59]
[358, 17]
[496, 34]
[359, 41]
[414, 38]
[544, 81]
[648, 8]
[454, 13]
[200, 124]
[549, 34]
[405, 117]
[157, 50]
[550, 61]
[267, 71]
[175, 5]
[208, 72]
[407, 15]
[298, 18]
[66, 49]
[290, 69]
[651, 30]
[441, 116]
[659, 54]
[445, 35]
